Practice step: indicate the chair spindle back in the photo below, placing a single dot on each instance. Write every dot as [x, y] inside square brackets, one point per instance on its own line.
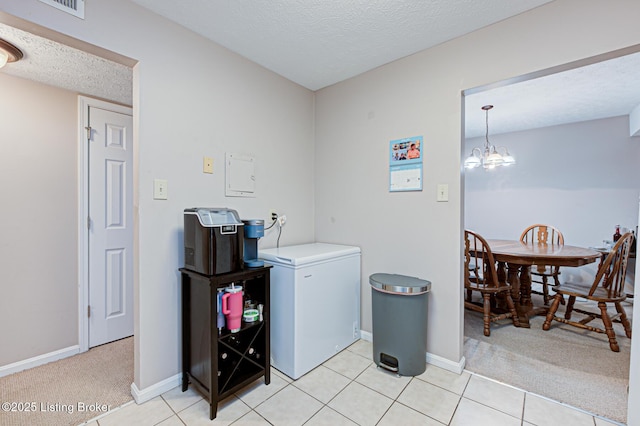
[542, 234]
[483, 266]
[612, 272]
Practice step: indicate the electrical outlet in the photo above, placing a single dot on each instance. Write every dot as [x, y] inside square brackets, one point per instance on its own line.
[273, 214]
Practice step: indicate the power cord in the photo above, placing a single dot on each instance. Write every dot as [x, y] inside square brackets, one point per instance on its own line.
[272, 223]
[279, 233]
[274, 220]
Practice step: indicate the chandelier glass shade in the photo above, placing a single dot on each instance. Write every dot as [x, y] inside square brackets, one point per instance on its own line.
[489, 156]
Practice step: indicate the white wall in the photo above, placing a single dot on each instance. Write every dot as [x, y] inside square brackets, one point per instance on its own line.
[411, 233]
[38, 277]
[200, 100]
[583, 178]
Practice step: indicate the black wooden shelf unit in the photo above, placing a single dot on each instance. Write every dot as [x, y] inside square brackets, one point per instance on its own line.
[219, 362]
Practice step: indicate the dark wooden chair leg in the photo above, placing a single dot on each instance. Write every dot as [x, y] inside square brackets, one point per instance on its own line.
[624, 320]
[552, 311]
[545, 290]
[569, 310]
[556, 281]
[487, 312]
[608, 327]
[512, 309]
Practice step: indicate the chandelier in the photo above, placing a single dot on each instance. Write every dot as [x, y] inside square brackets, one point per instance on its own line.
[489, 157]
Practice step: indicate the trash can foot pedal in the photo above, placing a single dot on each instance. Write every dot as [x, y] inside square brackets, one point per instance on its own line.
[380, 368]
[389, 363]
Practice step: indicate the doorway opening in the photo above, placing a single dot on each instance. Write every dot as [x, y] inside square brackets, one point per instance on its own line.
[106, 202]
[560, 178]
[90, 65]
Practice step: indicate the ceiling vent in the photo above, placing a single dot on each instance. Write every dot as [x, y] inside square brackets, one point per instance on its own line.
[74, 7]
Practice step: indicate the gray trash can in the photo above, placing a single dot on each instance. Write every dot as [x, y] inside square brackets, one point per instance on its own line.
[399, 322]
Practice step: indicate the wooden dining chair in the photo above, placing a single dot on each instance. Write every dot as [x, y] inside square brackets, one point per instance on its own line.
[607, 288]
[480, 275]
[543, 234]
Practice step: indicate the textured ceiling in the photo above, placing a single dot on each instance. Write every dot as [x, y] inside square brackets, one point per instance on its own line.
[319, 42]
[59, 65]
[605, 89]
[316, 43]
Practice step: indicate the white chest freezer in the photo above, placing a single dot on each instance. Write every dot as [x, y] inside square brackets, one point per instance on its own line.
[315, 304]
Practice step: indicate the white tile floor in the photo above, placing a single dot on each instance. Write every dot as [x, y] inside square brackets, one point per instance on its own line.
[348, 389]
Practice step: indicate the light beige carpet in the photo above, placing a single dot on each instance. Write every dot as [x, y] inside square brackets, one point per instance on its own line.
[70, 391]
[566, 364]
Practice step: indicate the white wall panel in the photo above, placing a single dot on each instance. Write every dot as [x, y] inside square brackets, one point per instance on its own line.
[114, 282]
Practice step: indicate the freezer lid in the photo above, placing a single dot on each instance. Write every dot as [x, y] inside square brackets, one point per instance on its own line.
[307, 253]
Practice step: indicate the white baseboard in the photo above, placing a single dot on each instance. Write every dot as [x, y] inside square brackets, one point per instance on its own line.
[36, 361]
[146, 394]
[365, 335]
[438, 361]
[446, 364]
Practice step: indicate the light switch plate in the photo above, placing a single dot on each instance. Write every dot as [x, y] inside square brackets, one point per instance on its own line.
[207, 165]
[443, 192]
[160, 189]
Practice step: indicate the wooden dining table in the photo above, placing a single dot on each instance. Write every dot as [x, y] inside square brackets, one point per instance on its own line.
[515, 259]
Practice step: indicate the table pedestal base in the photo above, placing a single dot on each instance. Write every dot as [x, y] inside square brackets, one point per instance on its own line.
[519, 278]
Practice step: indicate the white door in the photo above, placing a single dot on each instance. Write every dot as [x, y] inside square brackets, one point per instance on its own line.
[110, 226]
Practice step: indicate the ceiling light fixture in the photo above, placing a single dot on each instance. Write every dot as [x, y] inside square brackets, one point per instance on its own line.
[489, 157]
[8, 53]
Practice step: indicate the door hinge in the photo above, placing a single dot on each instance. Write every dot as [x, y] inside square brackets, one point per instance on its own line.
[88, 128]
[88, 311]
[89, 222]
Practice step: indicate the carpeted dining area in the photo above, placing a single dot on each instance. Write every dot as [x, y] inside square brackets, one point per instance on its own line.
[567, 364]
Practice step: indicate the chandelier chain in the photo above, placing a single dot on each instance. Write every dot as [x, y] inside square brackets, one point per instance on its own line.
[487, 122]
